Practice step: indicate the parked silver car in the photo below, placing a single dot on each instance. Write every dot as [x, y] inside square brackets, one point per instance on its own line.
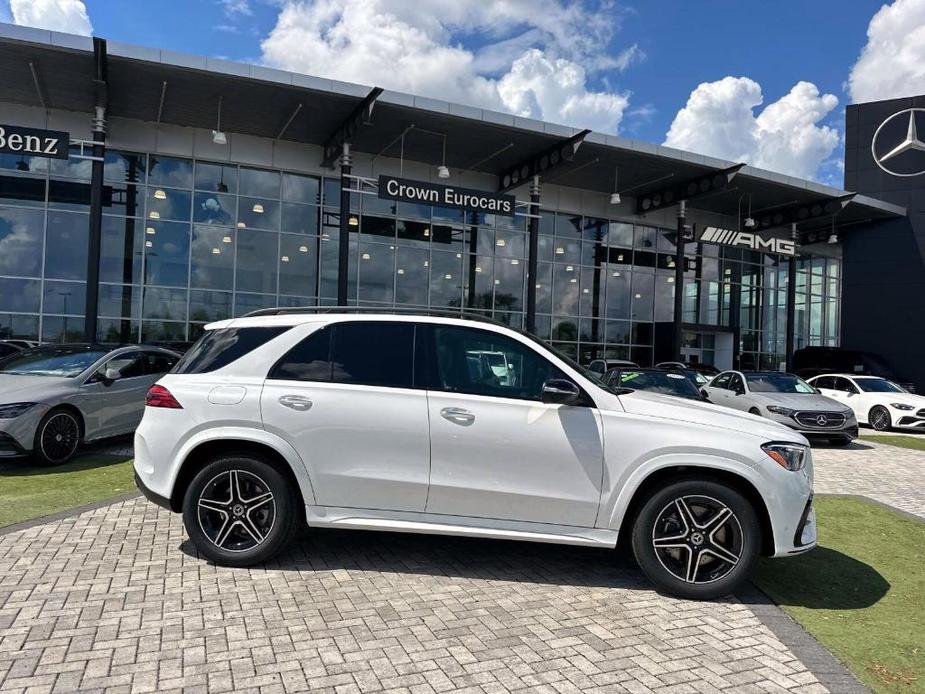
[787, 399]
[55, 397]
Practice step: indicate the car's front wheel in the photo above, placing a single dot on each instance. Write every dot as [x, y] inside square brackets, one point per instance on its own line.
[879, 418]
[696, 539]
[57, 437]
[239, 510]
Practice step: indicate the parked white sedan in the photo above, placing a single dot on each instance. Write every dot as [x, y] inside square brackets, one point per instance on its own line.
[875, 401]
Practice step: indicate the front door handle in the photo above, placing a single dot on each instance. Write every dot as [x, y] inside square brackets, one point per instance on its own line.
[457, 415]
[298, 403]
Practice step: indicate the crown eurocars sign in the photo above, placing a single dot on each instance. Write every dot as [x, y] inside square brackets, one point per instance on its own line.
[33, 142]
[424, 193]
[746, 239]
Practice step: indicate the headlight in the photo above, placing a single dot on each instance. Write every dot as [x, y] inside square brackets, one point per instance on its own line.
[786, 411]
[16, 409]
[790, 456]
[901, 406]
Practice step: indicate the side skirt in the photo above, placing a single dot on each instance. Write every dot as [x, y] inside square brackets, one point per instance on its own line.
[437, 524]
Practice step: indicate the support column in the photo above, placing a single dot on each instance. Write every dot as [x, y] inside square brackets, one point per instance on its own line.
[533, 241]
[96, 225]
[343, 242]
[679, 279]
[791, 309]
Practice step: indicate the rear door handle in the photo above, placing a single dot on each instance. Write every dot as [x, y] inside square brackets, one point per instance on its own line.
[299, 403]
[457, 415]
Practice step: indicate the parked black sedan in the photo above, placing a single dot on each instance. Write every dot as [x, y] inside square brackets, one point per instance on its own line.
[661, 381]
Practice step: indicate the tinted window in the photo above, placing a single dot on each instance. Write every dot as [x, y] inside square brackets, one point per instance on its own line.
[735, 383]
[157, 363]
[721, 381]
[129, 365]
[879, 385]
[218, 348]
[373, 354]
[484, 363]
[843, 384]
[307, 361]
[824, 382]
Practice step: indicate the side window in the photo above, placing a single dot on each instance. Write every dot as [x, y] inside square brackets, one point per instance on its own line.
[844, 385]
[824, 382]
[735, 383]
[157, 363]
[129, 365]
[597, 366]
[479, 362]
[310, 360]
[721, 381]
[377, 353]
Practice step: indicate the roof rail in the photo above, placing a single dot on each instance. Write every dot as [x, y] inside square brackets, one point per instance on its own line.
[384, 310]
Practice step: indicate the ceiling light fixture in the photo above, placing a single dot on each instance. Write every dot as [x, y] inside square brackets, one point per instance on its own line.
[160, 194]
[442, 170]
[615, 195]
[154, 214]
[216, 251]
[353, 221]
[150, 230]
[258, 208]
[242, 225]
[303, 249]
[285, 258]
[226, 239]
[218, 137]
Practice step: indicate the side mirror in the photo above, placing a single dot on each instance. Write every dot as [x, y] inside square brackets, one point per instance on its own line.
[558, 391]
[111, 375]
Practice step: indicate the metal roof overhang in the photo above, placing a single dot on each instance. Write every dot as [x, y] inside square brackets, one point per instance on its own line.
[260, 101]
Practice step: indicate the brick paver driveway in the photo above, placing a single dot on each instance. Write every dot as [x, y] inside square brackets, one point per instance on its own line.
[113, 600]
[889, 474]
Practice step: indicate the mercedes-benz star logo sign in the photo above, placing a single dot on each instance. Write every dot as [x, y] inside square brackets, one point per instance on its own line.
[900, 157]
[822, 420]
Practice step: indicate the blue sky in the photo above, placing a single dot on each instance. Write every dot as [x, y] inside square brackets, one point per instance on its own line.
[775, 75]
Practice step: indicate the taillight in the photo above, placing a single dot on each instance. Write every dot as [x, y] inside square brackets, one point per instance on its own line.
[159, 396]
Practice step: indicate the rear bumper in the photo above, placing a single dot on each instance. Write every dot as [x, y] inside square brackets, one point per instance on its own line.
[151, 496]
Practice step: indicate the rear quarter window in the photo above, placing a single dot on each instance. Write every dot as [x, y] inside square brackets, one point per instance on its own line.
[218, 348]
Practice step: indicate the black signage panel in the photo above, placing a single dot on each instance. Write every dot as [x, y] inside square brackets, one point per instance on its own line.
[35, 143]
[746, 239]
[422, 192]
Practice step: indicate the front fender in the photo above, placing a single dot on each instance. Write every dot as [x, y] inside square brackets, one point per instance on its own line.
[614, 507]
[258, 436]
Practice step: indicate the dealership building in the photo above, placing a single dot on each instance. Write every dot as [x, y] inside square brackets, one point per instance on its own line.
[145, 193]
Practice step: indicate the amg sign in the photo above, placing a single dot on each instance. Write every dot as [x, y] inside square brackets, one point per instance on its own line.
[747, 239]
[402, 189]
[32, 142]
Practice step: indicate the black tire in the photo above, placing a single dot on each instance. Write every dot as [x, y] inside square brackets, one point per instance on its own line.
[737, 535]
[879, 418]
[755, 411]
[244, 528]
[57, 437]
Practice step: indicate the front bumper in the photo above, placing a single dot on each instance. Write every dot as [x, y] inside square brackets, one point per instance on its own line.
[18, 433]
[847, 430]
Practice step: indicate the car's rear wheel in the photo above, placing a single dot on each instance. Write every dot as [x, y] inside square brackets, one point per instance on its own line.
[879, 418]
[696, 539]
[57, 437]
[239, 510]
[755, 411]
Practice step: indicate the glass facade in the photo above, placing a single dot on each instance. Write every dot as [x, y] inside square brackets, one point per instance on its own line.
[187, 242]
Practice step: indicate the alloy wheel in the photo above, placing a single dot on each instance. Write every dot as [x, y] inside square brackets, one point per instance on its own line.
[880, 419]
[697, 539]
[236, 510]
[60, 437]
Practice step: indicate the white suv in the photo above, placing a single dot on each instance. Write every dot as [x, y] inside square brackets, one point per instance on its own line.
[386, 422]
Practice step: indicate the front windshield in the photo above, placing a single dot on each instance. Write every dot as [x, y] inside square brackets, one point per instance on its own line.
[878, 385]
[777, 383]
[51, 361]
[657, 381]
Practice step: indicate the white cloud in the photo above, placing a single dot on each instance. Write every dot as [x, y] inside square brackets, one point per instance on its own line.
[892, 64]
[239, 8]
[786, 136]
[69, 16]
[533, 57]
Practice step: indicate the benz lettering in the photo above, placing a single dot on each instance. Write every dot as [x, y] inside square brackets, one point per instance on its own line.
[40, 143]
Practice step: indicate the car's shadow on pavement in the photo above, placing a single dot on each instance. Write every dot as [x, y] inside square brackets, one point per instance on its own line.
[856, 445]
[322, 549]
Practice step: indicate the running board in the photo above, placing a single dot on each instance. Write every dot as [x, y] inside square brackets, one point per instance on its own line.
[437, 524]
